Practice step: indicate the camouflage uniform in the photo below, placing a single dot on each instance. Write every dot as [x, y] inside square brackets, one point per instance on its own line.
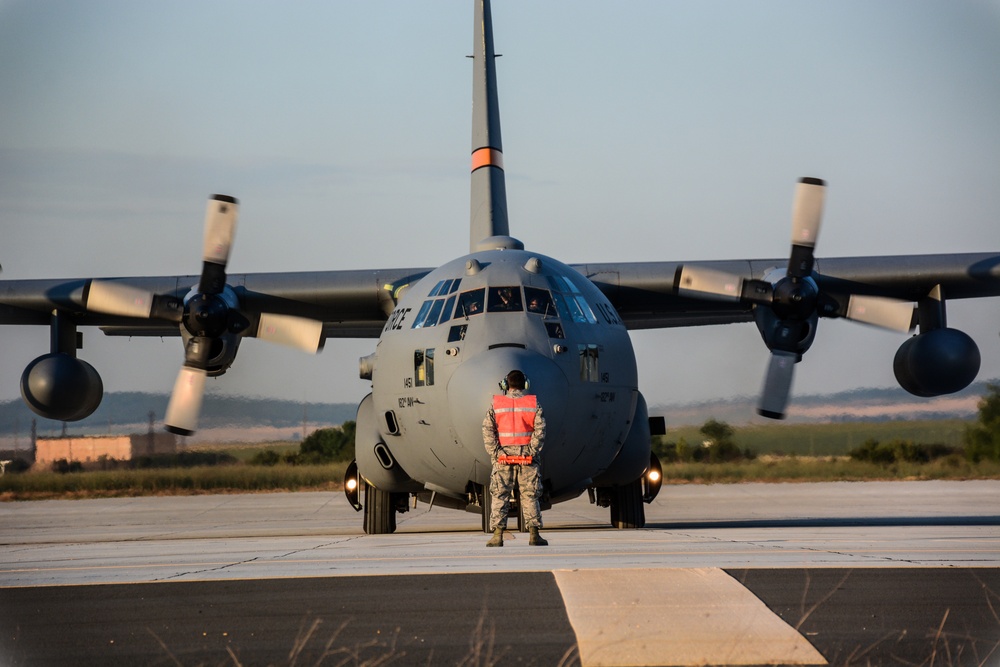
[504, 477]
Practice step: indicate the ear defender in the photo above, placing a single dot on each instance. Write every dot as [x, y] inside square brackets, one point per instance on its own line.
[505, 386]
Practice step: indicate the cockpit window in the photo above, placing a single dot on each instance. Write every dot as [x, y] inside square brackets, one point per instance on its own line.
[554, 330]
[445, 287]
[436, 311]
[446, 313]
[569, 301]
[538, 301]
[504, 300]
[432, 317]
[470, 303]
[421, 318]
[563, 284]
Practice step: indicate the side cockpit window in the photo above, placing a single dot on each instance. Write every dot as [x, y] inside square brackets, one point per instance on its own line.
[470, 303]
[570, 302]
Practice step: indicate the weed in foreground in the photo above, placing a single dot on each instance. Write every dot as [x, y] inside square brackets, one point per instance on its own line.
[483, 651]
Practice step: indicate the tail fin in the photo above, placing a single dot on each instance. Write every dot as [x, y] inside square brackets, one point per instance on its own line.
[489, 191]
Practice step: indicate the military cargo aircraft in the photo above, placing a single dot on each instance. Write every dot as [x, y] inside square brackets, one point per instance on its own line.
[445, 336]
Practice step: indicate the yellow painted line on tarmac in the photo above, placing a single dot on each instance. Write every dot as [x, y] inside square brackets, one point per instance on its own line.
[675, 617]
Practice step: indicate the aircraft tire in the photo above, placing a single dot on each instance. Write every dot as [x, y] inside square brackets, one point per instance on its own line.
[380, 513]
[627, 510]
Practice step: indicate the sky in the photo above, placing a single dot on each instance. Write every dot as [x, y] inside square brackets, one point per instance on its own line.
[642, 131]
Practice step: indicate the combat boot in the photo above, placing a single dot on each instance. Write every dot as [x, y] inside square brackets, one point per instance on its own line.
[536, 540]
[497, 539]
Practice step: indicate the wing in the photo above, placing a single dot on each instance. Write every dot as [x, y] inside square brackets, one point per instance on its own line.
[786, 298]
[646, 294]
[352, 304]
[213, 312]
[895, 292]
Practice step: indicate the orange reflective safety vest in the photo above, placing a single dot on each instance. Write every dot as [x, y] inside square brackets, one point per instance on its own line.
[515, 419]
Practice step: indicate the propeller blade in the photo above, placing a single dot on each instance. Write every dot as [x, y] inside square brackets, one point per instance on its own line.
[704, 283]
[296, 332]
[220, 228]
[701, 282]
[807, 214]
[185, 401]
[116, 298]
[777, 385]
[881, 312]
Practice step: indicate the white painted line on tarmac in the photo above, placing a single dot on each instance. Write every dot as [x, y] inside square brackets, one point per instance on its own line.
[675, 617]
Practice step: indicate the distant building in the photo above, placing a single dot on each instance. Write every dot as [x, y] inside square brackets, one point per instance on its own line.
[90, 449]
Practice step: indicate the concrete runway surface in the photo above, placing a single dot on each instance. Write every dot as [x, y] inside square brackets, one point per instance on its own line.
[832, 573]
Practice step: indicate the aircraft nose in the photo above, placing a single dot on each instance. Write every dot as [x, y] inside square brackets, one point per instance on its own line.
[474, 383]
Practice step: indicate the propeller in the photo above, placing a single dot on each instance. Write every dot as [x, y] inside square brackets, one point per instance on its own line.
[787, 307]
[208, 315]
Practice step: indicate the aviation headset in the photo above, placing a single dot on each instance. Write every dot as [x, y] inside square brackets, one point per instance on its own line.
[505, 384]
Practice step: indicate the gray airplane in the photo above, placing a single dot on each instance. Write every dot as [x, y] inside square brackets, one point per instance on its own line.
[446, 336]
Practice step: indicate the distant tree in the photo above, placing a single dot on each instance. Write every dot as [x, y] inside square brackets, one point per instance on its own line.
[717, 433]
[329, 444]
[982, 441]
[719, 442]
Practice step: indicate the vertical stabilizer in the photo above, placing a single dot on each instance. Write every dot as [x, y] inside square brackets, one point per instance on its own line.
[489, 193]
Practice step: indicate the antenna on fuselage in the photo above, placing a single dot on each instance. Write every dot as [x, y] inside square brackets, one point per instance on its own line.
[489, 191]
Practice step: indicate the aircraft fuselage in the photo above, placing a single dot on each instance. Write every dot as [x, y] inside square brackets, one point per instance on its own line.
[455, 334]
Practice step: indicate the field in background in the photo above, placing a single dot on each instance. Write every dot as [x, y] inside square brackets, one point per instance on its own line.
[786, 453]
[832, 439]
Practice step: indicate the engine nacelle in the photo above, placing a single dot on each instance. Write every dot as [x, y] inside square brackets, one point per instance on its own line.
[936, 362]
[58, 386]
[222, 354]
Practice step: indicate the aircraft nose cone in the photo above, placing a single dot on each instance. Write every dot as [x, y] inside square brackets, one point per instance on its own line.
[476, 381]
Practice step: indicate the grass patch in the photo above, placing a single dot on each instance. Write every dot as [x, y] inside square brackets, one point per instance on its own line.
[831, 439]
[172, 481]
[244, 451]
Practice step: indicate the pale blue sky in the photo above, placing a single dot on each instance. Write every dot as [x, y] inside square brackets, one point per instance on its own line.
[632, 131]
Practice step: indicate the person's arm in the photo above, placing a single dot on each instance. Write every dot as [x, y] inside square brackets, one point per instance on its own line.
[490, 440]
[538, 435]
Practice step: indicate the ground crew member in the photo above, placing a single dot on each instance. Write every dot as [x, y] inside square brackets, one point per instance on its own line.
[514, 433]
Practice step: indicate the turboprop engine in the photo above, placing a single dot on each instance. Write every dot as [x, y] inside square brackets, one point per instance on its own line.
[936, 362]
[59, 386]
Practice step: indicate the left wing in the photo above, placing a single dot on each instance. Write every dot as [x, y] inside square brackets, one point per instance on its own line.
[786, 298]
[646, 294]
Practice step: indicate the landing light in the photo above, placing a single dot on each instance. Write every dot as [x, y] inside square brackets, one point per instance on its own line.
[652, 480]
[352, 486]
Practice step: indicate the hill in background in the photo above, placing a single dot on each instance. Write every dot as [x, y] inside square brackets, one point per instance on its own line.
[246, 419]
[223, 418]
[882, 404]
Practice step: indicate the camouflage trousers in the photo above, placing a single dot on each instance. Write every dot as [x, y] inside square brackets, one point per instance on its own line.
[503, 480]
